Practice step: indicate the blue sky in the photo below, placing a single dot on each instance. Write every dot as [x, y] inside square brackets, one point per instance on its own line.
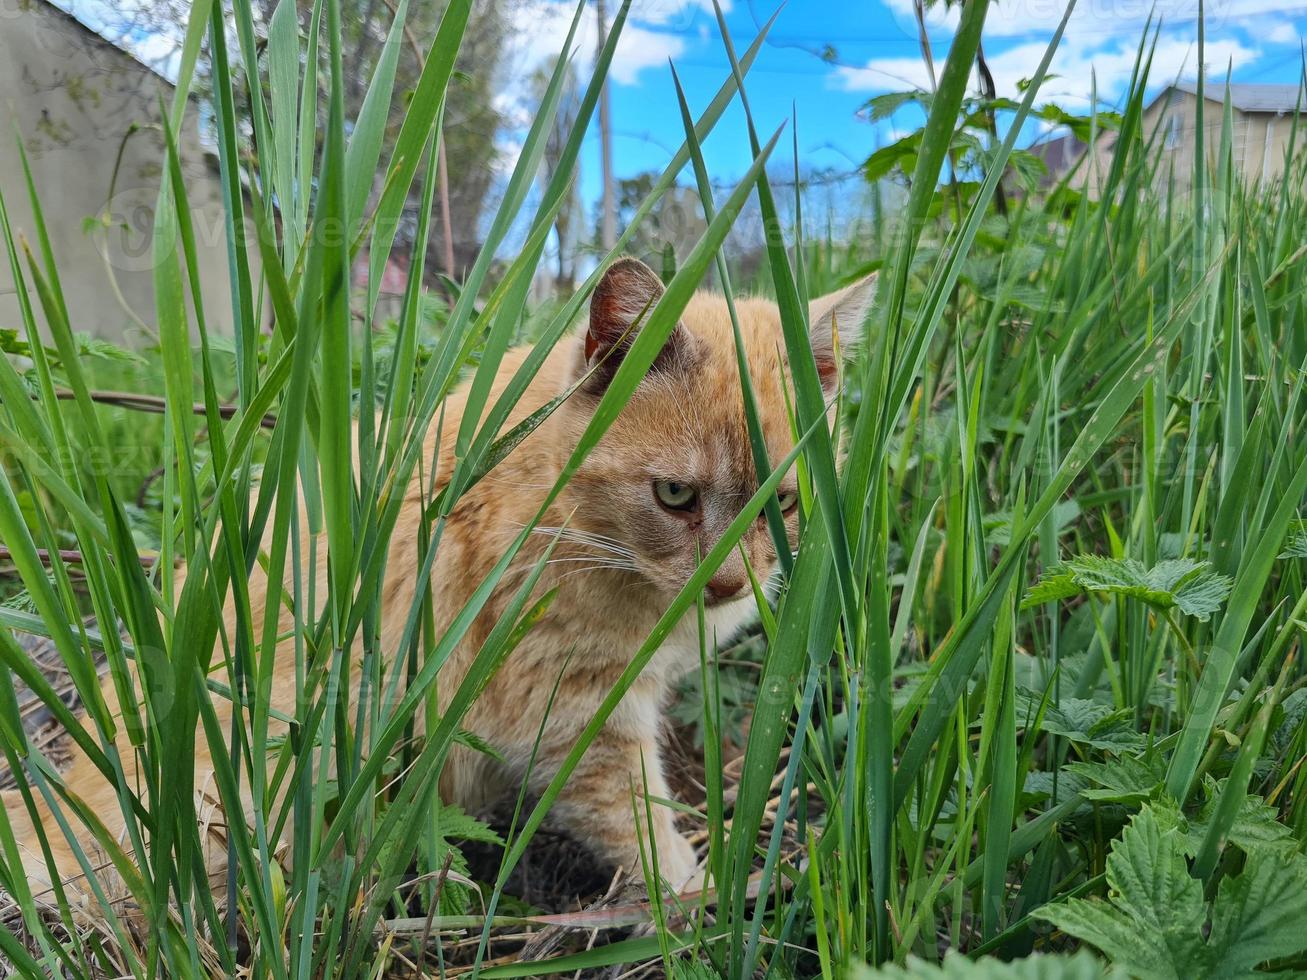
[876, 50]
[872, 48]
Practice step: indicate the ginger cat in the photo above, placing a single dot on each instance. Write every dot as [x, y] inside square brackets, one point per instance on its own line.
[659, 489]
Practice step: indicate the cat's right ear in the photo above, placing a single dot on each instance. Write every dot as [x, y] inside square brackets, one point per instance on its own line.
[619, 306]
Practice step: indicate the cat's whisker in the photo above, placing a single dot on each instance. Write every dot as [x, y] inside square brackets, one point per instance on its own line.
[594, 568]
[504, 481]
[595, 561]
[588, 538]
[576, 532]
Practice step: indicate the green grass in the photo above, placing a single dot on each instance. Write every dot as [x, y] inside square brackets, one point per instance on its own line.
[986, 740]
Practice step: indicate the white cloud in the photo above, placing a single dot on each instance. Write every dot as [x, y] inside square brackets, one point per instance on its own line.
[1109, 67]
[1285, 32]
[507, 151]
[640, 48]
[883, 73]
[673, 13]
[655, 31]
[1093, 20]
[1080, 66]
[1099, 46]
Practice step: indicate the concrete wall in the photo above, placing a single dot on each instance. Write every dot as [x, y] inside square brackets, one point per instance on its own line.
[1258, 140]
[74, 97]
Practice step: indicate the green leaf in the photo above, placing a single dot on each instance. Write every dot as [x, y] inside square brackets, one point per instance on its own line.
[1296, 544]
[1082, 127]
[901, 153]
[883, 106]
[1088, 722]
[1078, 966]
[1182, 583]
[1152, 923]
[104, 350]
[1294, 708]
[1259, 915]
[476, 743]
[1222, 656]
[21, 601]
[367, 135]
[1256, 825]
[1128, 779]
[692, 970]
[12, 343]
[998, 525]
[428, 96]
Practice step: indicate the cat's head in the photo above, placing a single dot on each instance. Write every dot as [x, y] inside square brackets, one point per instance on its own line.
[676, 466]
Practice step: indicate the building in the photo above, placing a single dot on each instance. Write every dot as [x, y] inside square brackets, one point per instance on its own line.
[1059, 154]
[83, 108]
[1262, 116]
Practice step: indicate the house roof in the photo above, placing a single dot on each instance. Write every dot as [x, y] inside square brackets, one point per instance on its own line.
[1058, 151]
[1246, 96]
[68, 11]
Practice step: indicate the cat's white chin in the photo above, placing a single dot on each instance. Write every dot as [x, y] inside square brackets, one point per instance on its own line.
[722, 622]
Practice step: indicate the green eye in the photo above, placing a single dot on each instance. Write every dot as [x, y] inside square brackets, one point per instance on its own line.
[675, 496]
[787, 500]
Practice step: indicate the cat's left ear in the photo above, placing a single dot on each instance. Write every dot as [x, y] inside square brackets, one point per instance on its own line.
[619, 307]
[843, 313]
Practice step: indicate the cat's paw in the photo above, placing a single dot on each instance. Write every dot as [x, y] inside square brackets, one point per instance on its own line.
[678, 865]
[695, 883]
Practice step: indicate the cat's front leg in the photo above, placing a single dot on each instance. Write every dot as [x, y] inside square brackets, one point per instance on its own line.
[604, 805]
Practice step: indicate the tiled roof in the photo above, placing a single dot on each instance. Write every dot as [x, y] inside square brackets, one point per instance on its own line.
[1248, 97]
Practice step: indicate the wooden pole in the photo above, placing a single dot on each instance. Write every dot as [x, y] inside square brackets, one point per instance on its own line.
[608, 206]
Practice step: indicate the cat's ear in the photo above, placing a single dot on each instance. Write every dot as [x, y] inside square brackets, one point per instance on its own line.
[619, 306]
[842, 313]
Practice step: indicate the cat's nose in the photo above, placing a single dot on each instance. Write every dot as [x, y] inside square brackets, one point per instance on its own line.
[722, 587]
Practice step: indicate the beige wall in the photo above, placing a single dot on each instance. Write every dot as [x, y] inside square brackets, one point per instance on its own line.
[1258, 140]
[74, 97]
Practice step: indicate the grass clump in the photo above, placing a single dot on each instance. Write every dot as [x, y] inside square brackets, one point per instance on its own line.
[1094, 403]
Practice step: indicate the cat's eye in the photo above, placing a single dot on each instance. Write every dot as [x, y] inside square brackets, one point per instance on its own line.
[787, 500]
[674, 495]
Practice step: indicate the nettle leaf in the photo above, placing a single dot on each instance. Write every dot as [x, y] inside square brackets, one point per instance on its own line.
[1080, 965]
[901, 153]
[1259, 914]
[476, 743]
[1056, 585]
[1129, 779]
[692, 970]
[89, 346]
[452, 828]
[1039, 784]
[456, 824]
[455, 827]
[22, 601]
[12, 343]
[1089, 723]
[1295, 546]
[1149, 923]
[998, 526]
[1256, 824]
[1292, 710]
[1181, 583]
[1153, 920]
[1082, 127]
[884, 106]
